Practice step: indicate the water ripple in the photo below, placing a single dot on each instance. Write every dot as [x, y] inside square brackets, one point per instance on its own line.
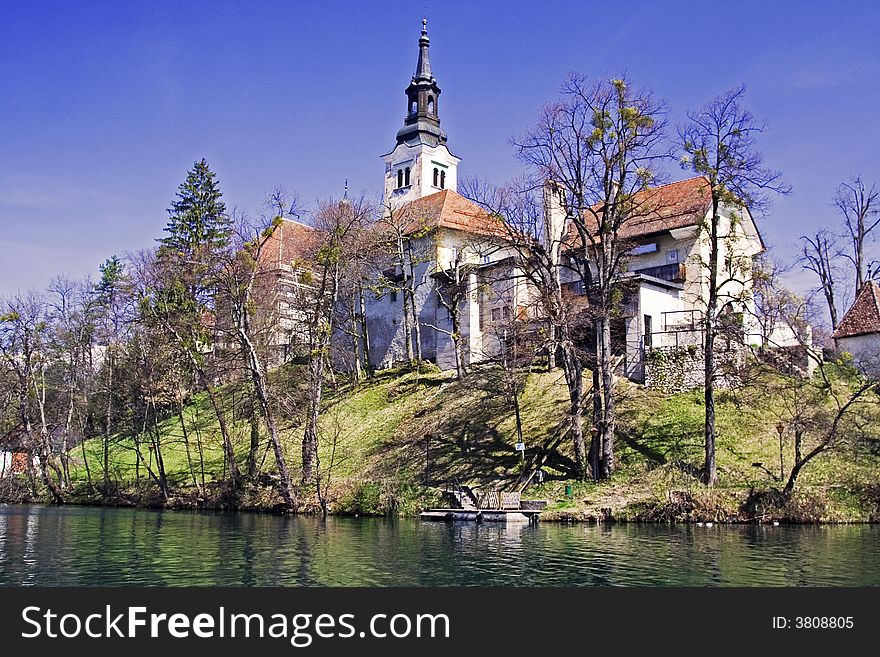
[116, 547]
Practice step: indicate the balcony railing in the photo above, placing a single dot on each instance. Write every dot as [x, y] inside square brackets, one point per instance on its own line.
[675, 272]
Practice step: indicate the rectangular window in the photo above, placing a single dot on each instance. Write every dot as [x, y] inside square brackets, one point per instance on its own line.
[648, 332]
[393, 296]
[501, 314]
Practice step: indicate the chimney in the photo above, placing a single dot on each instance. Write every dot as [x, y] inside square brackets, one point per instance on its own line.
[555, 216]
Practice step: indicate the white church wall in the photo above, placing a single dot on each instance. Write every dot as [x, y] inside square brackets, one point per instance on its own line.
[865, 350]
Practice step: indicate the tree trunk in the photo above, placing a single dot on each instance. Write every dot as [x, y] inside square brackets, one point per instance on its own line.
[608, 411]
[407, 331]
[365, 331]
[228, 449]
[44, 455]
[356, 342]
[411, 285]
[140, 456]
[310, 436]
[261, 388]
[185, 434]
[108, 417]
[45, 449]
[832, 307]
[160, 462]
[456, 343]
[253, 420]
[82, 444]
[596, 436]
[710, 474]
[574, 381]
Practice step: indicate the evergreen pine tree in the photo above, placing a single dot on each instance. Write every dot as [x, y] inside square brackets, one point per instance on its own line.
[111, 277]
[198, 219]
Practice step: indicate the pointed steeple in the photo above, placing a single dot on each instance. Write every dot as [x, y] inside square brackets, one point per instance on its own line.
[422, 122]
[420, 164]
[423, 68]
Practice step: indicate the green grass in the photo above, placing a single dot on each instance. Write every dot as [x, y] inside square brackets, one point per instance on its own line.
[401, 429]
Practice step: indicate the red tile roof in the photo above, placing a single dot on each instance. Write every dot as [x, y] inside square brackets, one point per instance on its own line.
[448, 209]
[676, 205]
[289, 242]
[864, 315]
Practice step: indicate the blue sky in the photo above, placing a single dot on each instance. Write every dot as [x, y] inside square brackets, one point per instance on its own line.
[105, 105]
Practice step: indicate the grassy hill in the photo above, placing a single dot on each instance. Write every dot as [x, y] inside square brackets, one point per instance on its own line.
[388, 445]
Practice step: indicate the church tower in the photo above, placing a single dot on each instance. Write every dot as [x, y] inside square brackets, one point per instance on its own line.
[420, 163]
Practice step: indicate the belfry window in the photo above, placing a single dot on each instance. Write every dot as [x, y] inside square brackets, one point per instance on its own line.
[430, 104]
[413, 107]
[399, 178]
[436, 177]
[406, 177]
[442, 180]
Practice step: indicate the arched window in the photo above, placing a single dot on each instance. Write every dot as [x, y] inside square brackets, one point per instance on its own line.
[399, 178]
[436, 177]
[413, 107]
[442, 180]
[406, 177]
[430, 104]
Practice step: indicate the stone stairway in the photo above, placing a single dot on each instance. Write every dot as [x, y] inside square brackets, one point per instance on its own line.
[463, 497]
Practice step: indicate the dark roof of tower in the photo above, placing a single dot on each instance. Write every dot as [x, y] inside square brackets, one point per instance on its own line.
[423, 68]
[422, 126]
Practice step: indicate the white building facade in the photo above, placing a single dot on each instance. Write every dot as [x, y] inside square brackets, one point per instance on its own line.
[666, 267]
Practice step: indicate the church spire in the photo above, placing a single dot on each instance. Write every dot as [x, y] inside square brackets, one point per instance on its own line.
[422, 122]
[420, 164]
[423, 68]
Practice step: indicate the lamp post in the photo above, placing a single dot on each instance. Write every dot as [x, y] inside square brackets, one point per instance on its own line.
[780, 429]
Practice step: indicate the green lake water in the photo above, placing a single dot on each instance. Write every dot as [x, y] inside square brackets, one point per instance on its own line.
[72, 546]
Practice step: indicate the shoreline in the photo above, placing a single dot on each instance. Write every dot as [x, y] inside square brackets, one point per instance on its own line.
[568, 516]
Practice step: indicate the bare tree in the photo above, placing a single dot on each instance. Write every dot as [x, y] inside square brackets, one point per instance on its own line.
[532, 224]
[72, 318]
[402, 238]
[335, 223]
[164, 284]
[817, 255]
[365, 258]
[719, 144]
[25, 350]
[246, 289]
[600, 144]
[860, 207]
[824, 416]
[333, 439]
[452, 291]
[837, 406]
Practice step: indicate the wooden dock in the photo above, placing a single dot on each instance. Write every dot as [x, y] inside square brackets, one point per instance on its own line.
[482, 515]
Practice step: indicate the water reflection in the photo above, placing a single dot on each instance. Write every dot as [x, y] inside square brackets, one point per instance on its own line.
[106, 546]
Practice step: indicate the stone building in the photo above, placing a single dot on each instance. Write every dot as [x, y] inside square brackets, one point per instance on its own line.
[666, 265]
[667, 272]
